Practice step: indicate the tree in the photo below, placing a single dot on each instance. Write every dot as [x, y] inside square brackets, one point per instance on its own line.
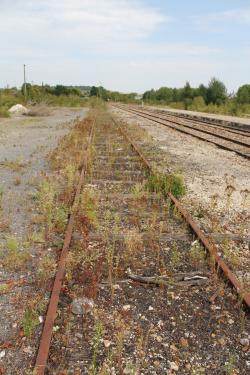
[202, 91]
[243, 94]
[164, 94]
[217, 92]
[187, 92]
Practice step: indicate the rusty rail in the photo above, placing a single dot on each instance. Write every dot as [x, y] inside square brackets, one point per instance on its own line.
[43, 351]
[207, 241]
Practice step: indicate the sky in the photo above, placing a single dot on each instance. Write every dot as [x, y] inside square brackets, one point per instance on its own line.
[125, 45]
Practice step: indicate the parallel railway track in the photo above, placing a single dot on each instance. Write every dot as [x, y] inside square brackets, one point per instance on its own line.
[223, 138]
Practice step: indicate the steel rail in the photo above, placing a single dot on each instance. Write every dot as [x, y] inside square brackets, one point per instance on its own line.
[191, 127]
[230, 129]
[170, 118]
[147, 116]
[44, 346]
[206, 240]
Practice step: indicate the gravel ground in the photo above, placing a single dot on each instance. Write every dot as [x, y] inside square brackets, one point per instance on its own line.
[217, 184]
[24, 145]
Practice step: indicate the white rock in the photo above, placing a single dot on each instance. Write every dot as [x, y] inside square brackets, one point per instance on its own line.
[173, 366]
[27, 350]
[2, 353]
[18, 109]
[106, 343]
[126, 307]
[244, 342]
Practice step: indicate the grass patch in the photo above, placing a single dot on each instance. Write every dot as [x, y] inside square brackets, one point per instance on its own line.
[30, 321]
[13, 257]
[4, 112]
[164, 184]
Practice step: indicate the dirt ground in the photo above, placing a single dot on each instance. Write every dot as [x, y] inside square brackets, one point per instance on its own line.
[24, 145]
[217, 184]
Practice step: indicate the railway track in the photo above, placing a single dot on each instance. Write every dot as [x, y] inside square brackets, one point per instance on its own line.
[126, 242]
[230, 128]
[221, 137]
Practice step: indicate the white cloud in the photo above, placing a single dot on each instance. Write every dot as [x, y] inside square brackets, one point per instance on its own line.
[86, 41]
[240, 16]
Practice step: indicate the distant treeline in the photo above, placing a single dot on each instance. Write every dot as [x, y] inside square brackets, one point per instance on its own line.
[35, 91]
[114, 96]
[211, 98]
[214, 93]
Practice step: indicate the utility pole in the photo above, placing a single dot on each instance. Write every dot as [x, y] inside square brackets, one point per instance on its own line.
[24, 82]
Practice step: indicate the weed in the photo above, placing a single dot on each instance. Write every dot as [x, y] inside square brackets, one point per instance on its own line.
[46, 269]
[197, 254]
[245, 195]
[89, 201]
[139, 192]
[36, 237]
[175, 256]
[133, 245]
[13, 257]
[164, 184]
[14, 165]
[60, 218]
[230, 365]
[96, 343]
[1, 198]
[17, 181]
[12, 244]
[46, 197]
[30, 321]
[4, 288]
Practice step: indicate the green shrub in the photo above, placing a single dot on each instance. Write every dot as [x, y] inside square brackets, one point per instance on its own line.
[162, 183]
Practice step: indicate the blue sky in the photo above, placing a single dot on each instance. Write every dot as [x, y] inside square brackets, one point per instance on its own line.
[126, 45]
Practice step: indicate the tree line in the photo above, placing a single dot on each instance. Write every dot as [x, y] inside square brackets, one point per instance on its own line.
[215, 93]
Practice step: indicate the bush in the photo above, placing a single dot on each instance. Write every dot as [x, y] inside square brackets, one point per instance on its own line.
[4, 112]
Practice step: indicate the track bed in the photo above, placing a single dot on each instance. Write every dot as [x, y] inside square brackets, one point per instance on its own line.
[110, 324]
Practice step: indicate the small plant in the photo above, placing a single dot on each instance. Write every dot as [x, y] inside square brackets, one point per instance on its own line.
[197, 254]
[17, 181]
[89, 201]
[96, 343]
[46, 197]
[245, 193]
[164, 184]
[46, 269]
[13, 257]
[1, 198]
[175, 256]
[138, 191]
[14, 165]
[230, 365]
[12, 244]
[133, 245]
[30, 321]
[60, 218]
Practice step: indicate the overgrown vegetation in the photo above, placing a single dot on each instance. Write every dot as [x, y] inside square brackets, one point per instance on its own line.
[166, 183]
